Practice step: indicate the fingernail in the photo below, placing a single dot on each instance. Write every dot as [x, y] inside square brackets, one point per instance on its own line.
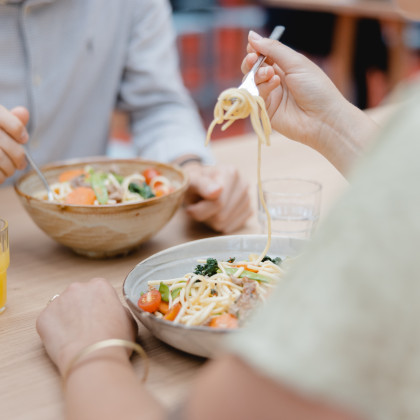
[254, 36]
[211, 188]
[24, 137]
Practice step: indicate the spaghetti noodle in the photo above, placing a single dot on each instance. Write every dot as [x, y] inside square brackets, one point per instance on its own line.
[200, 299]
[222, 293]
[234, 104]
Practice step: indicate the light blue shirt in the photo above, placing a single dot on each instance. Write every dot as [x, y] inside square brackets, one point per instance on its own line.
[71, 62]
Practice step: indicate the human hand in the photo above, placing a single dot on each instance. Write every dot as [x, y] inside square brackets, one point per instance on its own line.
[218, 197]
[304, 104]
[12, 135]
[83, 314]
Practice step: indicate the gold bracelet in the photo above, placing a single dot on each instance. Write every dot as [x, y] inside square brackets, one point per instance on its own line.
[112, 342]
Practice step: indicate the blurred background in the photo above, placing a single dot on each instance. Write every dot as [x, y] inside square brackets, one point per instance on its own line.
[366, 48]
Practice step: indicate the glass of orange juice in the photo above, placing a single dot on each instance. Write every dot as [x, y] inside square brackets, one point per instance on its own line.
[4, 262]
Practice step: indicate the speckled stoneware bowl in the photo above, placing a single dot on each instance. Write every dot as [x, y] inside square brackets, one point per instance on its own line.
[180, 260]
[101, 231]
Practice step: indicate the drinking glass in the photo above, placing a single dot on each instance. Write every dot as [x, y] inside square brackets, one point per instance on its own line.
[293, 204]
[4, 263]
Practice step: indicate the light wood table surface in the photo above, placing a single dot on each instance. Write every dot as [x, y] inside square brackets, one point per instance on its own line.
[30, 388]
[343, 46]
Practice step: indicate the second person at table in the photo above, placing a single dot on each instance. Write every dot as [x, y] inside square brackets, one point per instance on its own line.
[66, 65]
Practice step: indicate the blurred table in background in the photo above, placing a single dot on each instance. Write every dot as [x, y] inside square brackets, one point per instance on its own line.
[361, 8]
[30, 387]
[342, 54]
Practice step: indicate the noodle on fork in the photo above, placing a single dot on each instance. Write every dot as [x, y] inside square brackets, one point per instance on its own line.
[235, 104]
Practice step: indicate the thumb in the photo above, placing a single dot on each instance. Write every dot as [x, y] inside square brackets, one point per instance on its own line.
[22, 113]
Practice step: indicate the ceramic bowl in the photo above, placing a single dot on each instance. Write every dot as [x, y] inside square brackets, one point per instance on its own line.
[181, 259]
[101, 231]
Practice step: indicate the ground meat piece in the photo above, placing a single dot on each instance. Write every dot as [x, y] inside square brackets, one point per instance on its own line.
[79, 181]
[245, 304]
[115, 193]
[236, 280]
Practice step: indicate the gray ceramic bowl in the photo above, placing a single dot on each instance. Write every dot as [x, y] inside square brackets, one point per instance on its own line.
[101, 231]
[181, 259]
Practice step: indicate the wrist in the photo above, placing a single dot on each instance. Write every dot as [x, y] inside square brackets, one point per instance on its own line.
[344, 138]
[70, 359]
[99, 365]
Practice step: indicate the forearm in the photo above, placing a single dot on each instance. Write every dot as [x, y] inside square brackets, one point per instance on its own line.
[345, 138]
[104, 386]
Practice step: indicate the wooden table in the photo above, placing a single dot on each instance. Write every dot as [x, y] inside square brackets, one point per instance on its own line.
[29, 384]
[342, 52]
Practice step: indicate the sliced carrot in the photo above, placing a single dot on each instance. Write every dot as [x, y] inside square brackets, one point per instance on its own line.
[246, 267]
[173, 312]
[159, 192]
[82, 196]
[150, 173]
[224, 321]
[70, 174]
[163, 307]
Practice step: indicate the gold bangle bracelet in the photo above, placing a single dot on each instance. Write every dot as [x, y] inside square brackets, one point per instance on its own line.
[112, 342]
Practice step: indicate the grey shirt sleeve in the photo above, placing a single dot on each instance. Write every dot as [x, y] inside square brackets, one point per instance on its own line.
[165, 121]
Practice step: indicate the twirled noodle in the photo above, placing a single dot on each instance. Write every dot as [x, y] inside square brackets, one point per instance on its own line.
[128, 195]
[235, 104]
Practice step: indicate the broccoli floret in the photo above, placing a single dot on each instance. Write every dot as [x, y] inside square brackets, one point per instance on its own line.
[144, 190]
[208, 269]
[276, 260]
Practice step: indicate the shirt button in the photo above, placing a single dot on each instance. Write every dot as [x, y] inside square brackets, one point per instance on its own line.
[37, 80]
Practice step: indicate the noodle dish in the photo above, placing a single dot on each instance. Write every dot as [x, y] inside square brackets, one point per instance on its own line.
[217, 294]
[103, 207]
[206, 298]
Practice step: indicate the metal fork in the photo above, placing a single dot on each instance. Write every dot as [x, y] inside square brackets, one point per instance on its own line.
[249, 82]
[40, 174]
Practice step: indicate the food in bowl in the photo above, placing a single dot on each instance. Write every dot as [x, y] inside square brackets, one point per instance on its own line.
[174, 262]
[102, 231]
[217, 294]
[94, 186]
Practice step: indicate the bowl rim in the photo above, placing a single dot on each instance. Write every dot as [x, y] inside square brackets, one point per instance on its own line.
[99, 160]
[201, 328]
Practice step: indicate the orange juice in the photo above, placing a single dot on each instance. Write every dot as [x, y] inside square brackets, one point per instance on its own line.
[4, 264]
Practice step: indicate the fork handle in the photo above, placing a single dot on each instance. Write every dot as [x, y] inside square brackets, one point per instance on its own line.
[275, 34]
